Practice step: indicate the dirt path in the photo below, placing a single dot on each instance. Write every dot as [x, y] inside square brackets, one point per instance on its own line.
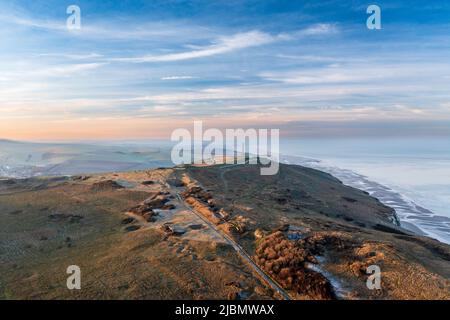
[244, 255]
[240, 251]
[222, 174]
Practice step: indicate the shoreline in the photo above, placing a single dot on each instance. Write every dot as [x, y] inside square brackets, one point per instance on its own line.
[411, 216]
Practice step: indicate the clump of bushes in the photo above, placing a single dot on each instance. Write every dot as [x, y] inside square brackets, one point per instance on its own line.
[286, 262]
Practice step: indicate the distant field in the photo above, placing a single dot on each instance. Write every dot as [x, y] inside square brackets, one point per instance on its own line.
[26, 159]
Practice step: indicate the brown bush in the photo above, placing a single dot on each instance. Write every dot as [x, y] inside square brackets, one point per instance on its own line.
[286, 261]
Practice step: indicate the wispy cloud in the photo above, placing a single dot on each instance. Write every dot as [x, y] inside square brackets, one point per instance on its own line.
[239, 41]
[81, 56]
[70, 69]
[360, 73]
[319, 29]
[130, 62]
[222, 45]
[319, 58]
[177, 78]
[32, 23]
[63, 70]
[106, 30]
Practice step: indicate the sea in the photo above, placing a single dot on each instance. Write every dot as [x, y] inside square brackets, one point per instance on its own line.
[411, 175]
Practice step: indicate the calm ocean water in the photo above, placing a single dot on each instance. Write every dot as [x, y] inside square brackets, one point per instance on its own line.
[410, 175]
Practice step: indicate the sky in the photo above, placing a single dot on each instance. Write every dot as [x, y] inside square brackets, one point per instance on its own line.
[140, 69]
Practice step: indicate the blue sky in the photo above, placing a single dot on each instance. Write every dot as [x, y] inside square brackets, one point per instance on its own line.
[142, 68]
